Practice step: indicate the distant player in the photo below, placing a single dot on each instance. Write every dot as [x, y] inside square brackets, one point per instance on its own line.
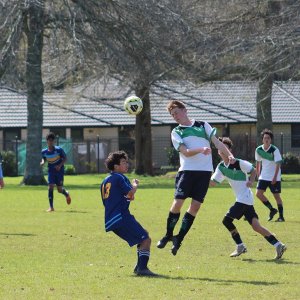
[56, 157]
[117, 192]
[237, 176]
[1, 174]
[268, 165]
[192, 140]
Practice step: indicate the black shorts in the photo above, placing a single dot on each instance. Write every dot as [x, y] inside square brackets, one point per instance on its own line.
[192, 184]
[264, 184]
[240, 209]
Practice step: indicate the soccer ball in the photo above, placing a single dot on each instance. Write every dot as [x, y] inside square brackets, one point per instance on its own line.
[133, 105]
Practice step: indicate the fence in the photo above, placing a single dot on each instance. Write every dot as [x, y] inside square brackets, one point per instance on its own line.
[88, 156]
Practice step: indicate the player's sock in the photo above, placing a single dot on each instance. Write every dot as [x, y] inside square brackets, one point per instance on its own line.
[186, 224]
[272, 239]
[66, 193]
[236, 237]
[280, 210]
[143, 259]
[268, 205]
[171, 223]
[50, 197]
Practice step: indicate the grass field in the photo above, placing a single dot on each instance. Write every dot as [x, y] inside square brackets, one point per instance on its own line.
[67, 254]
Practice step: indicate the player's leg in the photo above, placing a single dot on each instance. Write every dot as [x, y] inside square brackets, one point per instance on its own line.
[186, 225]
[195, 186]
[276, 190]
[60, 187]
[50, 197]
[172, 220]
[235, 212]
[132, 232]
[279, 246]
[260, 191]
[174, 213]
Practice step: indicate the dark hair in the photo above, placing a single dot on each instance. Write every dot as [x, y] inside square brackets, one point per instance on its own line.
[268, 132]
[114, 158]
[173, 104]
[227, 141]
[50, 136]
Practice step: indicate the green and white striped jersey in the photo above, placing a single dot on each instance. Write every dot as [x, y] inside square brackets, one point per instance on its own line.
[196, 135]
[268, 158]
[237, 176]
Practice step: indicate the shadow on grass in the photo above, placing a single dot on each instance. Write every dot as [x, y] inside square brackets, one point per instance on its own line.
[75, 212]
[219, 281]
[273, 261]
[17, 234]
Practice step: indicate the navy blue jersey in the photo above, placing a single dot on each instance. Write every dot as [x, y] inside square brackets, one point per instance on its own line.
[53, 157]
[114, 190]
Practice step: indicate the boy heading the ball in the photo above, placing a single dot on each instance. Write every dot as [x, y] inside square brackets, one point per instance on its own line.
[268, 165]
[237, 176]
[56, 157]
[117, 192]
[192, 140]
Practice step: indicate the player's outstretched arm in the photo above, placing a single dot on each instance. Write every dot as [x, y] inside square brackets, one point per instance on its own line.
[221, 147]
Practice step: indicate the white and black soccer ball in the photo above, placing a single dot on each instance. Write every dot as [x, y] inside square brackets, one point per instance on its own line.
[133, 105]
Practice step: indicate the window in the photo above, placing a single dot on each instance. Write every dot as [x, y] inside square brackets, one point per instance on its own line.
[11, 134]
[295, 135]
[77, 134]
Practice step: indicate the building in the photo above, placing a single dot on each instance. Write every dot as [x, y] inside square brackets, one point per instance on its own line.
[95, 114]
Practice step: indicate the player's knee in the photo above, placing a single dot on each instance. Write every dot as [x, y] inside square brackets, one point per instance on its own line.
[259, 193]
[228, 223]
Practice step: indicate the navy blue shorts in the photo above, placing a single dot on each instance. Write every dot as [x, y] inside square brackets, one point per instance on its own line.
[55, 177]
[131, 231]
[240, 209]
[192, 184]
[274, 188]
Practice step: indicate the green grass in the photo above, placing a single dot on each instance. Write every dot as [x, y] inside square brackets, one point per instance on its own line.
[67, 254]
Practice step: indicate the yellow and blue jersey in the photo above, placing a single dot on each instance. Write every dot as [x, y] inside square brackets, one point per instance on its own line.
[53, 157]
[114, 190]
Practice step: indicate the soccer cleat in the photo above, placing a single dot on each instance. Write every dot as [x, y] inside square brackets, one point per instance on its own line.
[145, 272]
[68, 199]
[273, 212]
[280, 250]
[176, 245]
[50, 209]
[280, 219]
[238, 251]
[163, 242]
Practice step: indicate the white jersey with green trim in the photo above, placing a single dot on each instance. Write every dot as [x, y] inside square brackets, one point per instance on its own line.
[194, 136]
[268, 158]
[237, 176]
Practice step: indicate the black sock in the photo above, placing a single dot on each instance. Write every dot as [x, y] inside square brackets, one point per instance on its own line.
[236, 237]
[144, 256]
[280, 209]
[271, 239]
[268, 205]
[65, 192]
[50, 197]
[171, 223]
[186, 224]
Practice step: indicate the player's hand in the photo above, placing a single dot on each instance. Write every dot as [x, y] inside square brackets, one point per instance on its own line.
[249, 183]
[58, 167]
[273, 181]
[206, 150]
[135, 182]
[232, 159]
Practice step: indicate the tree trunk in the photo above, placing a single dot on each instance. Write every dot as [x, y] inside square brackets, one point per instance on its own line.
[35, 89]
[264, 104]
[143, 135]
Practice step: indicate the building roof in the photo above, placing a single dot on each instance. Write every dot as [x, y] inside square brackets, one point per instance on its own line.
[101, 104]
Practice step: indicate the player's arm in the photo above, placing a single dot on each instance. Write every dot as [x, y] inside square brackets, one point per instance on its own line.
[131, 193]
[258, 168]
[191, 152]
[221, 147]
[42, 162]
[278, 165]
[251, 178]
